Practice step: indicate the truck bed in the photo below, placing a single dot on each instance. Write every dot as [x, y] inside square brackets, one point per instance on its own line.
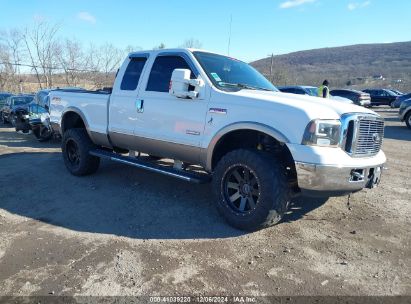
[92, 104]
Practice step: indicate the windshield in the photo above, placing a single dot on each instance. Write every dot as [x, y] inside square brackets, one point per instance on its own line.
[3, 97]
[37, 109]
[231, 74]
[17, 101]
[392, 93]
[312, 91]
[397, 92]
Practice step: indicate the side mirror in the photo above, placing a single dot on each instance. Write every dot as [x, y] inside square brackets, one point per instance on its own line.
[180, 83]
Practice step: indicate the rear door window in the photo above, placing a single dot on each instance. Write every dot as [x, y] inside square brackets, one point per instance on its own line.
[132, 74]
[163, 67]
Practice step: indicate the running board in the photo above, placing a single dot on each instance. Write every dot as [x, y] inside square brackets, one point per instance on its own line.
[191, 177]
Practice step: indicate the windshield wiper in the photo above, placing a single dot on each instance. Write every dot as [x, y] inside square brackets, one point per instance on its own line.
[244, 86]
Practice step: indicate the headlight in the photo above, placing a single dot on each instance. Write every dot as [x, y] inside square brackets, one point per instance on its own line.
[324, 133]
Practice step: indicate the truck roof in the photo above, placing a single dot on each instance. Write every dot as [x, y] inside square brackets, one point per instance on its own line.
[171, 50]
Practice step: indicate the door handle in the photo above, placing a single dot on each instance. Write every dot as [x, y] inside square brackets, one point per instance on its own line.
[140, 105]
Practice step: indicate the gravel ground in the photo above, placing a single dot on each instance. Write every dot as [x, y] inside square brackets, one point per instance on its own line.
[124, 231]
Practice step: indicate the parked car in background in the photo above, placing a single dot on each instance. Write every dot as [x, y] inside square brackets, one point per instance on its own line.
[42, 98]
[405, 112]
[357, 97]
[397, 92]
[3, 98]
[301, 90]
[13, 103]
[341, 99]
[400, 99]
[35, 118]
[381, 97]
[16, 117]
[310, 91]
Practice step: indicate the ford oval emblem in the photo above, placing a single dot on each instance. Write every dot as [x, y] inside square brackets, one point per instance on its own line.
[376, 138]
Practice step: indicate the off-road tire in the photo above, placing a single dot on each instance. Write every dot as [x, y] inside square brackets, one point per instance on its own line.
[75, 146]
[273, 189]
[408, 120]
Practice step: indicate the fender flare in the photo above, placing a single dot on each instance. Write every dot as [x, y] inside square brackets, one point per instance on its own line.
[406, 111]
[79, 113]
[243, 125]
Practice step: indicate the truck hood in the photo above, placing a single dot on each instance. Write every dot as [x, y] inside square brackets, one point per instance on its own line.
[315, 107]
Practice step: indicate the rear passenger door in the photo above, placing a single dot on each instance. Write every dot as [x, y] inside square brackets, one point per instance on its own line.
[170, 125]
[123, 113]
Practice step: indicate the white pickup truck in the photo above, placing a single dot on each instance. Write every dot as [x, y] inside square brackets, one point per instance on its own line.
[220, 120]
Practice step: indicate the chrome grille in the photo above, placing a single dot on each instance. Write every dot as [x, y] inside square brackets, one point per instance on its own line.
[363, 135]
[369, 137]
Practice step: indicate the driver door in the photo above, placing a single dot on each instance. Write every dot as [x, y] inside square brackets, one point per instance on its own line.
[172, 125]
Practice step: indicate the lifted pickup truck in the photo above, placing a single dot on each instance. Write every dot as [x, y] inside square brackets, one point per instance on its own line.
[220, 120]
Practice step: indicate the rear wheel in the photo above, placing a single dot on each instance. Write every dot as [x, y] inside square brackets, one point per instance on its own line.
[408, 120]
[76, 146]
[251, 189]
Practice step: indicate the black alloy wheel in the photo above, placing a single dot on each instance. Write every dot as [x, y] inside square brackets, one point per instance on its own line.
[73, 153]
[241, 188]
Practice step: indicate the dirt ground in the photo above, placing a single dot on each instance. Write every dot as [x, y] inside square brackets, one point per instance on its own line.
[124, 231]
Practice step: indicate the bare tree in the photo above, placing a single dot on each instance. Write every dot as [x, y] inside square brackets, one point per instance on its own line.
[102, 63]
[133, 48]
[72, 60]
[10, 56]
[192, 44]
[5, 68]
[279, 75]
[42, 47]
[160, 46]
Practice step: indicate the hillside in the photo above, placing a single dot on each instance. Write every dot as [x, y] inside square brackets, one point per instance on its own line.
[355, 65]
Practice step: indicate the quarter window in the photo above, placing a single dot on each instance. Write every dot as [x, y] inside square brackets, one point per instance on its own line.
[132, 75]
[163, 67]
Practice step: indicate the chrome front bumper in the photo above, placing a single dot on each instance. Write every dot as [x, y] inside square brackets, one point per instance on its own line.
[336, 181]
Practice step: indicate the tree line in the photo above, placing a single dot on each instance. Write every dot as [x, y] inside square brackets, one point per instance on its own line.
[37, 54]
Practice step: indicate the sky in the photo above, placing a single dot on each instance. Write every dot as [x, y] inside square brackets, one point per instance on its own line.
[258, 27]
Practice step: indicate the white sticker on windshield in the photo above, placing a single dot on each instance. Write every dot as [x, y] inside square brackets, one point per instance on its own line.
[216, 77]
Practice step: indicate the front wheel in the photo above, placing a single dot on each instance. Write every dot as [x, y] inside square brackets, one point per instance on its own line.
[76, 146]
[408, 120]
[251, 189]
